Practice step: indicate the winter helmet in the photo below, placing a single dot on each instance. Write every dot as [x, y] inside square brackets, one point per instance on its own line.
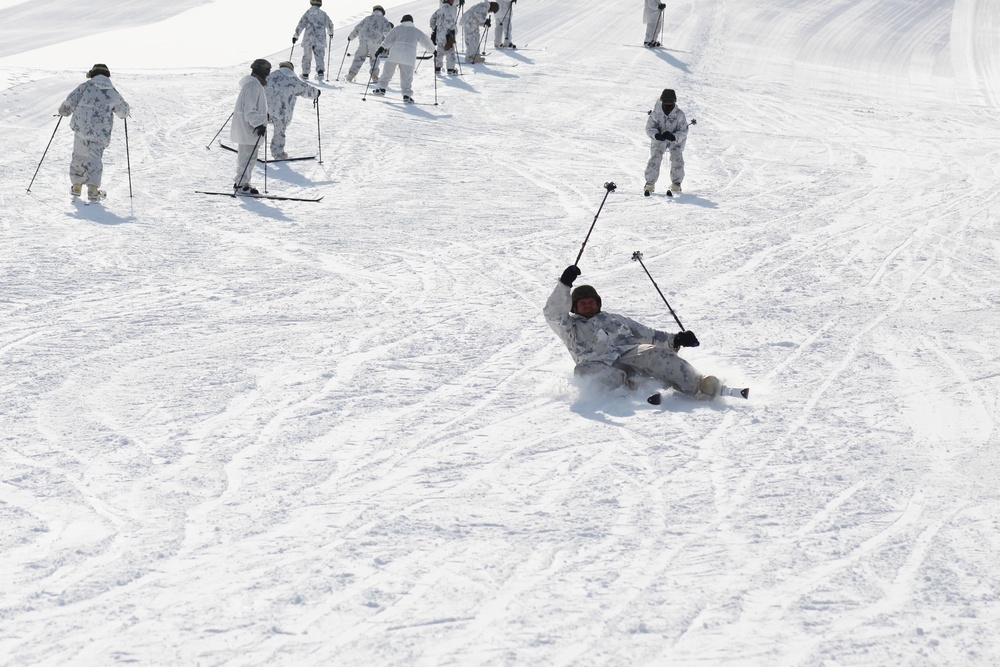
[287, 65]
[668, 95]
[98, 69]
[260, 67]
[406, 17]
[494, 7]
[316, 3]
[378, 8]
[584, 292]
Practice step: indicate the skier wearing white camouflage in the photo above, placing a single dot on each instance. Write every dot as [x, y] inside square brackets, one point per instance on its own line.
[281, 90]
[317, 28]
[401, 43]
[92, 104]
[615, 350]
[249, 123]
[667, 128]
[505, 16]
[443, 26]
[478, 16]
[369, 32]
[652, 16]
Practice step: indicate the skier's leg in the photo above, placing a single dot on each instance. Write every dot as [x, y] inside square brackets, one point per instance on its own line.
[406, 80]
[78, 163]
[383, 81]
[95, 160]
[359, 58]
[307, 53]
[438, 57]
[471, 44]
[676, 165]
[650, 32]
[656, 151]
[320, 51]
[660, 362]
[278, 139]
[602, 374]
[450, 58]
[246, 155]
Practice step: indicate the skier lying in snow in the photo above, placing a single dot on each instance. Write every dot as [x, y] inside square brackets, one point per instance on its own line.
[614, 350]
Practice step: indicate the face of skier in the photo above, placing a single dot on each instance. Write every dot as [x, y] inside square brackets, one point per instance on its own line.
[667, 107]
[587, 307]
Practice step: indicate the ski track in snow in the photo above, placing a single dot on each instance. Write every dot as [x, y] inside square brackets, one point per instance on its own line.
[248, 432]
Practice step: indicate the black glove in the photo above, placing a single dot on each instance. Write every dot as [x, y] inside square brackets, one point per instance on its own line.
[665, 136]
[294, 39]
[569, 275]
[660, 6]
[434, 36]
[261, 130]
[379, 51]
[461, 3]
[685, 339]
[487, 24]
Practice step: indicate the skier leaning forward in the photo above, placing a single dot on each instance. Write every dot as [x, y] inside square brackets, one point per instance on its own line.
[401, 43]
[443, 26]
[318, 27]
[615, 350]
[667, 128]
[478, 16]
[249, 123]
[93, 101]
[369, 32]
[281, 90]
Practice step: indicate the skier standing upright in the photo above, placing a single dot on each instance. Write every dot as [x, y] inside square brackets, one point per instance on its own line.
[401, 43]
[369, 32]
[667, 127]
[505, 15]
[281, 90]
[317, 28]
[614, 350]
[652, 16]
[478, 16]
[443, 26]
[93, 105]
[249, 123]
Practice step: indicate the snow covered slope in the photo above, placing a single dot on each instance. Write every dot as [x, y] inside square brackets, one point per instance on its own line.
[237, 432]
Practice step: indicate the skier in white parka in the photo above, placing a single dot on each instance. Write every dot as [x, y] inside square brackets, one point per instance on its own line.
[249, 123]
[317, 28]
[402, 43]
[652, 16]
[281, 90]
[667, 128]
[478, 16]
[443, 27]
[369, 32]
[505, 17]
[615, 350]
[92, 104]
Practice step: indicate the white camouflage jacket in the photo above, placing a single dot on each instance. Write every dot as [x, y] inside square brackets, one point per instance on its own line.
[250, 111]
[316, 24]
[675, 122]
[283, 86]
[476, 16]
[602, 338]
[372, 30]
[443, 21]
[402, 42]
[92, 104]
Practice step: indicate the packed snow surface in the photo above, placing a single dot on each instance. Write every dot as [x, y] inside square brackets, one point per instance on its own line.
[240, 432]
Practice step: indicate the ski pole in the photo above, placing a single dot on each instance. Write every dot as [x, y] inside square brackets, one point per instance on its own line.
[46, 151]
[128, 160]
[329, 51]
[343, 59]
[435, 89]
[291, 50]
[209, 146]
[265, 158]
[251, 161]
[371, 73]
[319, 138]
[482, 42]
[637, 257]
[610, 187]
[661, 28]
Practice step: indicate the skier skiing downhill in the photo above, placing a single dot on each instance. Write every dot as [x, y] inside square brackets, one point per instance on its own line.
[667, 127]
[92, 104]
[614, 350]
[249, 123]
[505, 15]
[443, 26]
[475, 18]
[401, 43]
[317, 28]
[369, 32]
[652, 16]
[281, 90]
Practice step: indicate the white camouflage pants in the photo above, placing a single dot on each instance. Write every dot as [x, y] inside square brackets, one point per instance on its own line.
[319, 49]
[87, 164]
[405, 77]
[471, 43]
[278, 137]
[653, 29]
[441, 55]
[364, 51]
[659, 362]
[657, 149]
[246, 158]
[502, 34]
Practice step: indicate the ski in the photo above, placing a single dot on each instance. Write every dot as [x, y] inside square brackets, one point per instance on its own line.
[404, 103]
[287, 159]
[738, 392]
[250, 196]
